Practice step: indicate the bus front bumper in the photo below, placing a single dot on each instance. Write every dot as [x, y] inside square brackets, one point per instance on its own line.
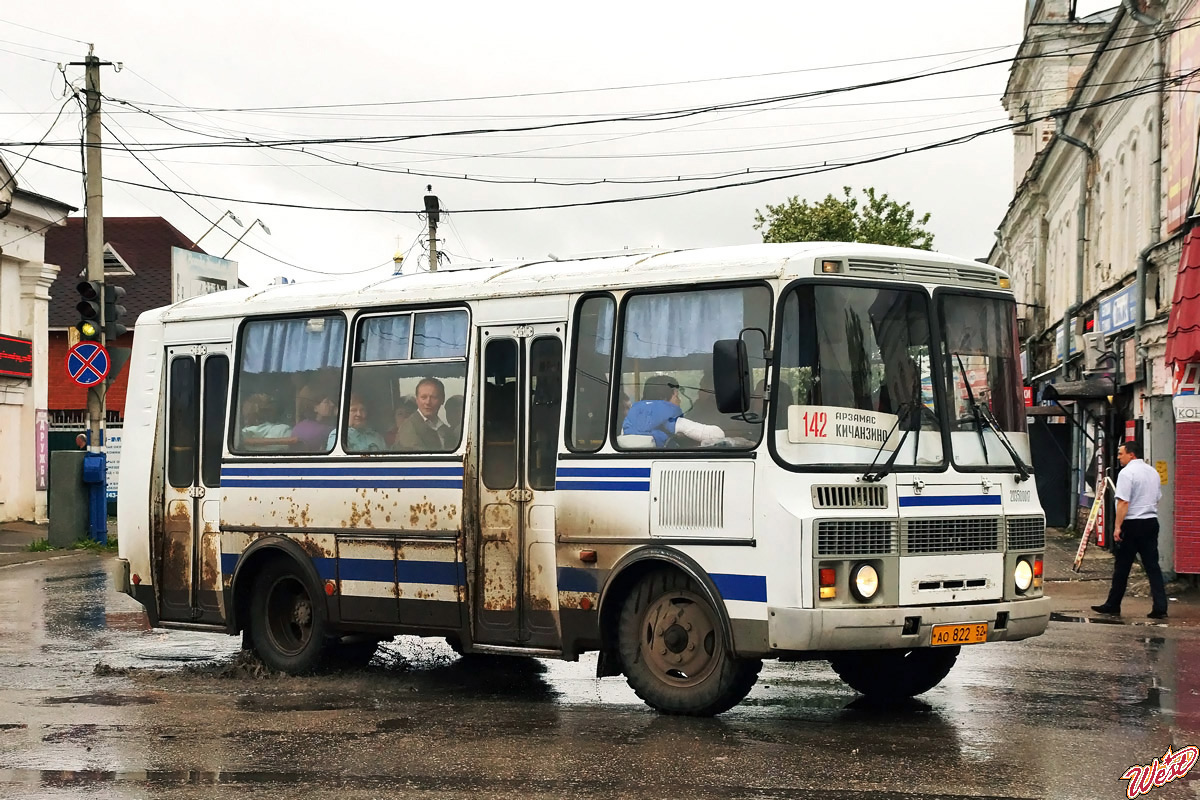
[901, 626]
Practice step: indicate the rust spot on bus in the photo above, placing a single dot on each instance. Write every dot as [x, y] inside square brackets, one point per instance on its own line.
[210, 562]
[312, 548]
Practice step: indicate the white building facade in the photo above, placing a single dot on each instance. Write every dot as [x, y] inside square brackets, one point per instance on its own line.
[1094, 232]
[24, 301]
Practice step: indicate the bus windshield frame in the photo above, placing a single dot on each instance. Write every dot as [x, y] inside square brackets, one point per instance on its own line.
[879, 368]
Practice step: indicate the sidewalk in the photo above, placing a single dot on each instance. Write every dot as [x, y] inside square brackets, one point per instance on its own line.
[17, 536]
[1073, 594]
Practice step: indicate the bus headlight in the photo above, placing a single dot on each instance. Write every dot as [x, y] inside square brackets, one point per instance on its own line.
[864, 581]
[1023, 575]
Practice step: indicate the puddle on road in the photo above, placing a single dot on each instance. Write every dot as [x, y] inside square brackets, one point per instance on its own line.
[100, 699]
[1058, 616]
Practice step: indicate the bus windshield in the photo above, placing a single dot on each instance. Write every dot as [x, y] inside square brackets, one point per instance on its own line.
[983, 379]
[855, 378]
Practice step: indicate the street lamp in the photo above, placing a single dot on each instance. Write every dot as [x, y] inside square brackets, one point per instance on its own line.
[249, 228]
[229, 214]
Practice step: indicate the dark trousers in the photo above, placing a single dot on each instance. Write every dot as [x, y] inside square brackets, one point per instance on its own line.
[1139, 537]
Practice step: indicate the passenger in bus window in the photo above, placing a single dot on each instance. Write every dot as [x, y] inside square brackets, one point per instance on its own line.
[317, 421]
[658, 415]
[260, 430]
[404, 409]
[454, 418]
[424, 431]
[360, 437]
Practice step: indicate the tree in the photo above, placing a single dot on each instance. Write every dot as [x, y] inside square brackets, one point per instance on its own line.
[879, 220]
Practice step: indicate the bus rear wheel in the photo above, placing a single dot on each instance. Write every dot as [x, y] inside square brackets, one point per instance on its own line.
[287, 620]
[890, 675]
[674, 650]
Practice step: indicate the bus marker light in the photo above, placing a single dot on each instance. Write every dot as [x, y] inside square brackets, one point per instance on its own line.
[137, 579]
[831, 266]
[1037, 568]
[587, 556]
[586, 604]
[330, 588]
[828, 592]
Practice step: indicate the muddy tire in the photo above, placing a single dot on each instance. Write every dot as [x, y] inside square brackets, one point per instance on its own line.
[287, 619]
[890, 675]
[674, 650]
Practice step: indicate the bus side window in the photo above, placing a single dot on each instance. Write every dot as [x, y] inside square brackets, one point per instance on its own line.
[183, 434]
[283, 364]
[591, 366]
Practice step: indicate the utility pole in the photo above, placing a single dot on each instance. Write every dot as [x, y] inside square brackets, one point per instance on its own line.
[432, 212]
[97, 297]
[94, 206]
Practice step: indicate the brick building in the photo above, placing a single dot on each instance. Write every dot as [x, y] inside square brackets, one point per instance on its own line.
[137, 257]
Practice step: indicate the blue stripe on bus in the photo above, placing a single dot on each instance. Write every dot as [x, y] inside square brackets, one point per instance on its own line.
[604, 486]
[574, 579]
[300, 481]
[752, 588]
[441, 573]
[951, 500]
[603, 472]
[335, 471]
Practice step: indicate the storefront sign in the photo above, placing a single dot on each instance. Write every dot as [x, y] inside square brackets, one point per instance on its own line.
[1028, 396]
[1117, 311]
[16, 357]
[1187, 393]
[1058, 339]
[41, 466]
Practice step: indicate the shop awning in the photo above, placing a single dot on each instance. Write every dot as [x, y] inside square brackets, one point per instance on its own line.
[1183, 326]
[1090, 389]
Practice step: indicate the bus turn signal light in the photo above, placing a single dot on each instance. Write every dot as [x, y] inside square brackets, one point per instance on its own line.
[587, 556]
[828, 579]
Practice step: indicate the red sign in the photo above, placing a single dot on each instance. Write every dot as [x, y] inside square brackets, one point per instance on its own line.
[1029, 397]
[16, 357]
[1130, 430]
[87, 363]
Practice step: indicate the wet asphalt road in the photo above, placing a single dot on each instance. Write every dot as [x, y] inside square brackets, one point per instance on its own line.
[182, 715]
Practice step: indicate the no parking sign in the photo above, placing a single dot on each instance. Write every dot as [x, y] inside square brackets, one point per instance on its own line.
[87, 363]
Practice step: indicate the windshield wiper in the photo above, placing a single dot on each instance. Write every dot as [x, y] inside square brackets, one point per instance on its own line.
[907, 410]
[984, 417]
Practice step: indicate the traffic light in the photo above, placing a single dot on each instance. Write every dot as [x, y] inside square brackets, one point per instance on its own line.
[113, 312]
[90, 297]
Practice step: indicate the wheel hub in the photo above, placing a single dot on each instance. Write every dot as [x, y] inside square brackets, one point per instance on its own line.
[682, 642]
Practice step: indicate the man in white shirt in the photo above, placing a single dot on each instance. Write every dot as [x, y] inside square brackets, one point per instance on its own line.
[1136, 531]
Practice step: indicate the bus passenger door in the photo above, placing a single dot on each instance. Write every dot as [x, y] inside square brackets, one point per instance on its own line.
[189, 553]
[516, 599]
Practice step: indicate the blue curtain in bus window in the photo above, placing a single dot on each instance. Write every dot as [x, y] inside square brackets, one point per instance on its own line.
[385, 338]
[293, 345]
[681, 323]
[442, 334]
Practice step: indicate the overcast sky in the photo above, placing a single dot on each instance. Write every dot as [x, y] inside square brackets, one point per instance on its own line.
[352, 70]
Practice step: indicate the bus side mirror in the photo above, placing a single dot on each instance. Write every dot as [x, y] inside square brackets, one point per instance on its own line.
[731, 376]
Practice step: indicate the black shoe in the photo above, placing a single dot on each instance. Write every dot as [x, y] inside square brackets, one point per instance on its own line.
[1107, 609]
[1157, 615]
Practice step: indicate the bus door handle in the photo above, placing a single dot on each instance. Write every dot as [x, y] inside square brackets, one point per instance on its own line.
[519, 495]
[196, 491]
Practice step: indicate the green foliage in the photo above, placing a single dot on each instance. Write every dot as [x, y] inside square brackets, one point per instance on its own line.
[96, 547]
[878, 220]
[39, 546]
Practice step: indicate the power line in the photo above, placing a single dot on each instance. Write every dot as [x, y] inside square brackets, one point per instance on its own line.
[38, 30]
[801, 172]
[654, 116]
[13, 177]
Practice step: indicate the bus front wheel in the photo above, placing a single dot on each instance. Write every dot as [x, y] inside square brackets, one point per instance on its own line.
[674, 650]
[287, 620]
[890, 675]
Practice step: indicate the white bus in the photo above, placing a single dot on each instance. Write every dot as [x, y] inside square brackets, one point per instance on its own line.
[688, 461]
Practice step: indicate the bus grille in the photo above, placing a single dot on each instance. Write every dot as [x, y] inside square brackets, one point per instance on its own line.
[1026, 533]
[928, 273]
[853, 537]
[692, 498]
[850, 497]
[968, 535]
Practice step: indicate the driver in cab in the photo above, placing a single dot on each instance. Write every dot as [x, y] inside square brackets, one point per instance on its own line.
[658, 415]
